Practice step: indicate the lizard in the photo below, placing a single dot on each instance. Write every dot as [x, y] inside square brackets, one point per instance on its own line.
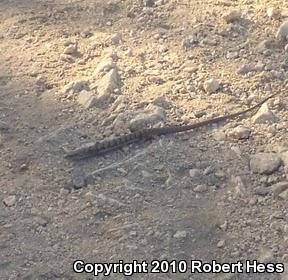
[105, 146]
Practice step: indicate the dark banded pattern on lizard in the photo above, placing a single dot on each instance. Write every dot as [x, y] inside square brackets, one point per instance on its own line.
[101, 148]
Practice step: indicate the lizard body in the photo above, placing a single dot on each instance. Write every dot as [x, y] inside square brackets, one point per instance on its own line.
[100, 148]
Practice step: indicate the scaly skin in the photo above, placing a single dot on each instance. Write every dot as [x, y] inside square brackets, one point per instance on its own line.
[106, 146]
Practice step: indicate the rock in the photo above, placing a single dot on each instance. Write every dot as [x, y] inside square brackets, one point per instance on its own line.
[108, 84]
[116, 39]
[10, 200]
[24, 167]
[195, 173]
[284, 157]
[104, 66]
[87, 99]
[264, 163]
[149, 3]
[219, 135]
[71, 50]
[161, 101]
[86, 33]
[221, 244]
[211, 85]
[273, 13]
[259, 67]
[76, 86]
[265, 45]
[180, 234]
[190, 69]
[209, 42]
[240, 186]
[78, 178]
[240, 132]
[190, 42]
[232, 16]
[67, 58]
[284, 195]
[224, 226]
[245, 69]
[133, 233]
[152, 115]
[262, 191]
[232, 55]
[279, 188]
[129, 52]
[282, 33]
[208, 170]
[160, 2]
[68, 42]
[201, 189]
[264, 115]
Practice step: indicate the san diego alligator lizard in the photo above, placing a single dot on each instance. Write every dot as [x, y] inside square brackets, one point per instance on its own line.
[101, 148]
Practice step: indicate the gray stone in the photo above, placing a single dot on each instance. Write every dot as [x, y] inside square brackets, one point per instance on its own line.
[240, 132]
[108, 84]
[279, 188]
[201, 189]
[245, 69]
[10, 200]
[209, 42]
[180, 234]
[195, 173]
[284, 157]
[284, 195]
[221, 243]
[78, 178]
[211, 85]
[190, 42]
[262, 191]
[161, 101]
[240, 185]
[87, 99]
[116, 39]
[282, 33]
[104, 66]
[273, 13]
[259, 67]
[264, 45]
[76, 86]
[219, 135]
[71, 50]
[67, 58]
[264, 163]
[149, 3]
[152, 115]
[232, 55]
[264, 115]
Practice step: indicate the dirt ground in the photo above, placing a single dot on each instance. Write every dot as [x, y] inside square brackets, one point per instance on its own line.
[188, 196]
